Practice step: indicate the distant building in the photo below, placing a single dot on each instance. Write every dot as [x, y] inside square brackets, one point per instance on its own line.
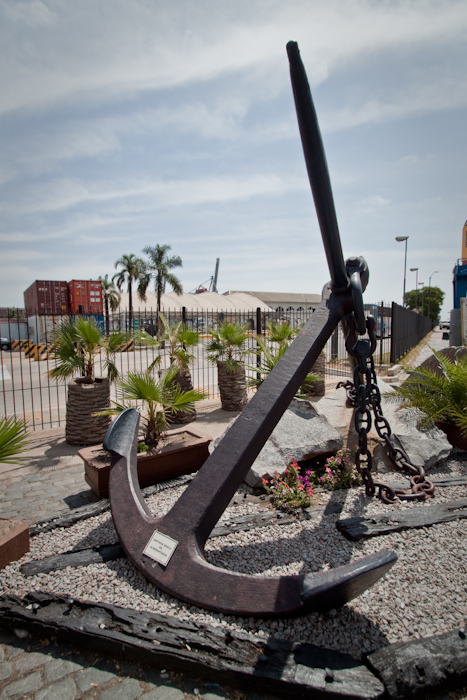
[460, 273]
[284, 303]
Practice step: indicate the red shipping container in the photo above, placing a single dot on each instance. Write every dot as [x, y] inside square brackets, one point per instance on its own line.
[85, 297]
[46, 298]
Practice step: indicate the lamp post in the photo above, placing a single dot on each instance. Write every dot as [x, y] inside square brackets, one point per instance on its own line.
[429, 291]
[415, 269]
[399, 239]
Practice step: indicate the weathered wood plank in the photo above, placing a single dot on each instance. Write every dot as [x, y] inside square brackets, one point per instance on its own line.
[439, 482]
[233, 658]
[424, 667]
[81, 557]
[92, 509]
[359, 527]
[108, 552]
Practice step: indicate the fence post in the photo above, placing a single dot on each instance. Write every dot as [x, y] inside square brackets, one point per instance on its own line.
[381, 332]
[258, 332]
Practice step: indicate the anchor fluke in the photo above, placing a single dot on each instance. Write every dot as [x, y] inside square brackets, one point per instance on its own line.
[187, 575]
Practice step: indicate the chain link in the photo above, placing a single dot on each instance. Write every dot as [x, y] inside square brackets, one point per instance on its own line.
[364, 393]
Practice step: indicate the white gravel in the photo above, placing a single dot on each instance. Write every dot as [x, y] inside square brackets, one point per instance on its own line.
[424, 593]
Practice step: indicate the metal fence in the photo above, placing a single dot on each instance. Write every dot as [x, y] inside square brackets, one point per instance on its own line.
[408, 329]
[27, 391]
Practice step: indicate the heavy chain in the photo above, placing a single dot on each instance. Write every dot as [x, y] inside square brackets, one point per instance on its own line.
[364, 394]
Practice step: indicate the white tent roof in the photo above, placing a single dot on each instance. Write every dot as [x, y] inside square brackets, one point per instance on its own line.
[206, 301]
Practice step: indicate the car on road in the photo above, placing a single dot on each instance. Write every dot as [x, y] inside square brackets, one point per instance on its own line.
[444, 324]
[5, 344]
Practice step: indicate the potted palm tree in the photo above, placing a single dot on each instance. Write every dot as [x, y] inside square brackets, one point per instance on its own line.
[271, 354]
[178, 339]
[14, 534]
[438, 396]
[163, 454]
[227, 349]
[74, 348]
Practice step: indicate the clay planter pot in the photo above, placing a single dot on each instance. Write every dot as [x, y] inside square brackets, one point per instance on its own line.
[14, 540]
[82, 427]
[453, 434]
[182, 451]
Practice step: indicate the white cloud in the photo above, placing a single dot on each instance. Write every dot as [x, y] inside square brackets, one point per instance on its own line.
[30, 12]
[64, 194]
[118, 48]
[374, 202]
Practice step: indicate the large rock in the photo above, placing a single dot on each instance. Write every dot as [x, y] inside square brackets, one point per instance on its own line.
[301, 433]
[453, 354]
[424, 448]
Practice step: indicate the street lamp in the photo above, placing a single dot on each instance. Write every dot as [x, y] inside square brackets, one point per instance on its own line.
[429, 288]
[415, 269]
[399, 239]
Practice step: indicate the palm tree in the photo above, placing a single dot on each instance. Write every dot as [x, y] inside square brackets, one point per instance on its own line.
[226, 349]
[160, 265]
[178, 339]
[161, 398]
[133, 270]
[281, 334]
[13, 439]
[111, 297]
[75, 347]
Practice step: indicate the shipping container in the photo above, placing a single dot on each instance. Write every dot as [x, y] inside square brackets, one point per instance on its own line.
[14, 329]
[85, 297]
[41, 329]
[46, 297]
[97, 318]
[460, 284]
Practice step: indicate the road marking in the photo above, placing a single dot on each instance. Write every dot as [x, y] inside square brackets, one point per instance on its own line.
[4, 373]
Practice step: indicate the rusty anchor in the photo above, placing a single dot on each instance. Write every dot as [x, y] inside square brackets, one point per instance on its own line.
[169, 550]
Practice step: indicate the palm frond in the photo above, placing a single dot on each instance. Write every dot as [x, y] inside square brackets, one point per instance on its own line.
[14, 440]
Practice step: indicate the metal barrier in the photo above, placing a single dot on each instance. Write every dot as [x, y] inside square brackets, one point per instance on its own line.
[27, 391]
[408, 329]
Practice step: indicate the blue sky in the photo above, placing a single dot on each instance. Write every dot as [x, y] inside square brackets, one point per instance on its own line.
[126, 124]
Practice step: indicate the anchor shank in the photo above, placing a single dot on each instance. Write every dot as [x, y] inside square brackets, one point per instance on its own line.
[210, 492]
[317, 168]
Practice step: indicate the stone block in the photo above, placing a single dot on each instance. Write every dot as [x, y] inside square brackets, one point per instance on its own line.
[301, 433]
[394, 370]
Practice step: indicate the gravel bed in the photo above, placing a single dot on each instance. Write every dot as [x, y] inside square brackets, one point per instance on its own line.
[424, 593]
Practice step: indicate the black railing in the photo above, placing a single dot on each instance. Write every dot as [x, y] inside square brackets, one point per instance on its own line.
[408, 329]
[27, 391]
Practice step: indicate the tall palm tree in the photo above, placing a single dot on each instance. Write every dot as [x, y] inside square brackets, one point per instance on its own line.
[133, 270]
[160, 265]
[111, 297]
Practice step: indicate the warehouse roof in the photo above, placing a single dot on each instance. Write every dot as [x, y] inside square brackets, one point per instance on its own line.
[206, 301]
[282, 297]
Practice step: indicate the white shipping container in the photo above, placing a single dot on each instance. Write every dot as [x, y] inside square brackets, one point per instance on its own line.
[41, 328]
